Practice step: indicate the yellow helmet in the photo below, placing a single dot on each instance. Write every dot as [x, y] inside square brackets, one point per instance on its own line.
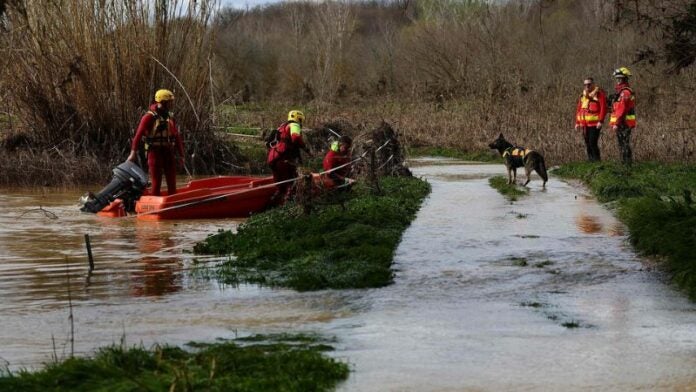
[622, 72]
[164, 95]
[296, 115]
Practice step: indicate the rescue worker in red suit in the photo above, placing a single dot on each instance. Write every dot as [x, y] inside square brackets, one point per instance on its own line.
[162, 140]
[589, 116]
[623, 113]
[284, 154]
[337, 156]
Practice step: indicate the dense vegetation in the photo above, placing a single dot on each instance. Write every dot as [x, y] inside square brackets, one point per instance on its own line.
[349, 245]
[270, 363]
[656, 202]
[75, 78]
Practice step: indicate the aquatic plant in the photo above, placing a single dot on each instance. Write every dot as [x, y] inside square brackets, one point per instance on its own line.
[266, 364]
[349, 245]
[510, 191]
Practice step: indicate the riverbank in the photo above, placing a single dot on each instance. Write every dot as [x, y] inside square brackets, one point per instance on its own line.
[339, 245]
[258, 363]
[656, 202]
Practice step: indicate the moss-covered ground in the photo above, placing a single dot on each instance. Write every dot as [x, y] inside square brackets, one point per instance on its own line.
[656, 201]
[339, 245]
[261, 363]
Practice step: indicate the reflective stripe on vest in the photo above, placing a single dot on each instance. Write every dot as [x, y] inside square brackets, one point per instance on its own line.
[295, 129]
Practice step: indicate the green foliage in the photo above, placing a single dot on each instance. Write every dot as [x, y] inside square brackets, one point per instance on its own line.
[611, 181]
[510, 191]
[348, 246]
[656, 203]
[478, 156]
[286, 364]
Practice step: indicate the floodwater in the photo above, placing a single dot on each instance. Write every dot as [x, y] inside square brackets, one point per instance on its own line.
[540, 294]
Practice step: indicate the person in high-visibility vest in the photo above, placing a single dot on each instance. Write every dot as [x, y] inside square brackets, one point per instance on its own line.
[623, 113]
[162, 140]
[284, 154]
[589, 116]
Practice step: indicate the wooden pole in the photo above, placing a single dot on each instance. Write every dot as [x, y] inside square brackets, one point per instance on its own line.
[89, 253]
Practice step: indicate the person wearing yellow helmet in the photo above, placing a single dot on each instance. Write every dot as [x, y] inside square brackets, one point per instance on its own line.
[162, 140]
[284, 153]
[336, 160]
[623, 113]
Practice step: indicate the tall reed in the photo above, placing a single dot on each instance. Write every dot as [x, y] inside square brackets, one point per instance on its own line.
[80, 74]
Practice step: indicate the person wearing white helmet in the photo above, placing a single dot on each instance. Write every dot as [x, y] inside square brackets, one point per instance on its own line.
[623, 113]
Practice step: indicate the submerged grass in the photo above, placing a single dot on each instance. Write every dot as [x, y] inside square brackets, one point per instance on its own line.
[656, 203]
[337, 246]
[511, 191]
[287, 364]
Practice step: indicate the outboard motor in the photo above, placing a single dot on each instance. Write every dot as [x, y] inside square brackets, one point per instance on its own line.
[128, 184]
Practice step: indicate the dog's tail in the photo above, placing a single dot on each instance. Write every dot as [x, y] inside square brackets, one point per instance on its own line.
[541, 169]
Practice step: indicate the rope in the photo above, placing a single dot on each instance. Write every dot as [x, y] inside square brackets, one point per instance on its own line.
[385, 162]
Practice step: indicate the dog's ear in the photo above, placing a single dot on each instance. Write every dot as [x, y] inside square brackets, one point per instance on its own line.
[501, 136]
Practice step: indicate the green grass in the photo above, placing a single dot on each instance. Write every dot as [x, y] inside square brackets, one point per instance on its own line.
[510, 191]
[334, 247]
[447, 152]
[656, 203]
[610, 181]
[265, 365]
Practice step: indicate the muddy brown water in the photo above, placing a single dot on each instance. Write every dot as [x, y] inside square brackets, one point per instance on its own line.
[540, 294]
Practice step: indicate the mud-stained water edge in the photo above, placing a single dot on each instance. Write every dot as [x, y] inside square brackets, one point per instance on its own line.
[542, 293]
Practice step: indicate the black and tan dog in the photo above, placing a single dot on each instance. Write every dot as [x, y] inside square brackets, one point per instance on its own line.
[517, 157]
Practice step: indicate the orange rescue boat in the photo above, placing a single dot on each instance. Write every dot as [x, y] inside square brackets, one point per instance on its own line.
[209, 198]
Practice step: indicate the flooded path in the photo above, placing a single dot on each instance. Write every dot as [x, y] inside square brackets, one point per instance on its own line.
[543, 293]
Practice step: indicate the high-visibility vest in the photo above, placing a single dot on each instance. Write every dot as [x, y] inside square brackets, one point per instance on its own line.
[517, 155]
[628, 106]
[591, 108]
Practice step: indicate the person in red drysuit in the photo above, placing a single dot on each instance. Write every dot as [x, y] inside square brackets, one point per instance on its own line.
[337, 156]
[284, 154]
[162, 140]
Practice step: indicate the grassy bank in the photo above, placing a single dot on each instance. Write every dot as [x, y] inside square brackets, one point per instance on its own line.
[266, 363]
[656, 201]
[334, 247]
